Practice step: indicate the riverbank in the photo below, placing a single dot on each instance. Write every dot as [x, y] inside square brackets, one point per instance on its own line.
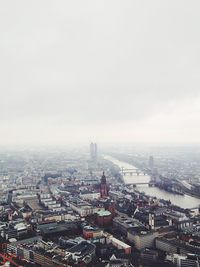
[185, 201]
[193, 195]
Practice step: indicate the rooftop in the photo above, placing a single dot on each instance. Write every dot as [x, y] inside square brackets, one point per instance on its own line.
[103, 213]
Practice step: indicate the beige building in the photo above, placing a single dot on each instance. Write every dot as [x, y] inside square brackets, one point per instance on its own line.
[142, 239]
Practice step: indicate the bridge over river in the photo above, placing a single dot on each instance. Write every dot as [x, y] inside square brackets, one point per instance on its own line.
[132, 171]
[135, 176]
[143, 181]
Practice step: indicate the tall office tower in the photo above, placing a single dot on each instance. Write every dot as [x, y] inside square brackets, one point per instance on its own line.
[93, 152]
[151, 163]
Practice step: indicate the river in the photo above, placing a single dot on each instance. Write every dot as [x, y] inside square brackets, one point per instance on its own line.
[185, 201]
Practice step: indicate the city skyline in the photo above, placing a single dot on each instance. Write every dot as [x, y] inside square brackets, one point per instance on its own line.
[99, 133]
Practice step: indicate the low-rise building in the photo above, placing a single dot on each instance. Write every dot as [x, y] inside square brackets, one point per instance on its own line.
[110, 239]
[83, 208]
[125, 223]
[142, 239]
[189, 260]
[175, 246]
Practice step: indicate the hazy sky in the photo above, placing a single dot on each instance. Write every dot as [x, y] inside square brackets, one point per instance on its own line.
[75, 71]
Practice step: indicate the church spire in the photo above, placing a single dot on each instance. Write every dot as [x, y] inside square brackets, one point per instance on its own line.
[103, 178]
[104, 187]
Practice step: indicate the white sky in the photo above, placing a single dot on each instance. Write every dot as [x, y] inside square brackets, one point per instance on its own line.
[108, 71]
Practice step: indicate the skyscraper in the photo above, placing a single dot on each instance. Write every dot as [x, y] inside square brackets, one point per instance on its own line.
[151, 163]
[93, 152]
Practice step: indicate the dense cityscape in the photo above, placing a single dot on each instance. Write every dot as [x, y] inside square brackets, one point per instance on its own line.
[95, 207]
[99, 133]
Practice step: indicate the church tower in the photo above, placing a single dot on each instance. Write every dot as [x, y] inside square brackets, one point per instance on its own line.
[103, 187]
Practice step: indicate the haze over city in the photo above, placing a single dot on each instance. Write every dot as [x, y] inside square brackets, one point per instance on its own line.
[110, 71]
[99, 133]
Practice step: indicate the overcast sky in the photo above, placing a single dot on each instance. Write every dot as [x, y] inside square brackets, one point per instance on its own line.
[108, 71]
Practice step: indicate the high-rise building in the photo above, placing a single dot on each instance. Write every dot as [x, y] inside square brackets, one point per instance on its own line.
[93, 152]
[151, 163]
